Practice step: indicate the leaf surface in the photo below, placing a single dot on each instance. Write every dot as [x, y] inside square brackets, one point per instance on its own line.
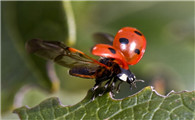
[146, 104]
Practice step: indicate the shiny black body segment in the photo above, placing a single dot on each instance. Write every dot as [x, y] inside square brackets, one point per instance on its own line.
[111, 76]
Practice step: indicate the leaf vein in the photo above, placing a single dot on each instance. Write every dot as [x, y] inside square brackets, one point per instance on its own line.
[132, 106]
[97, 111]
[27, 116]
[182, 100]
[157, 108]
[52, 108]
[81, 106]
[173, 110]
[83, 116]
[150, 98]
[40, 111]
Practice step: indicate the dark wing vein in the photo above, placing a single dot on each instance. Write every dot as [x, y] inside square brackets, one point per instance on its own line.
[61, 54]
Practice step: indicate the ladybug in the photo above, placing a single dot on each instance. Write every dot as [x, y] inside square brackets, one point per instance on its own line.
[116, 54]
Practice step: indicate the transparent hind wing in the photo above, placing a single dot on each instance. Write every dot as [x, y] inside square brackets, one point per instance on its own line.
[60, 53]
[103, 38]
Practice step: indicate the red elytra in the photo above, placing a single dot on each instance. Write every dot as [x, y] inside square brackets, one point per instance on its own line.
[109, 51]
[128, 47]
[132, 43]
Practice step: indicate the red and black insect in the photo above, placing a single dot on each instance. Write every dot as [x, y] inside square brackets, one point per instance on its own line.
[126, 48]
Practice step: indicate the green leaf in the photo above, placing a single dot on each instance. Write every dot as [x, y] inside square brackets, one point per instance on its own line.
[22, 21]
[146, 104]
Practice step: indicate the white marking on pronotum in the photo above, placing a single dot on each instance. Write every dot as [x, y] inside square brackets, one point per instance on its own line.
[123, 77]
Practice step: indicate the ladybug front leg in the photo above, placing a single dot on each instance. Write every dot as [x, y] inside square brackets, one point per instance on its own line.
[118, 87]
[113, 86]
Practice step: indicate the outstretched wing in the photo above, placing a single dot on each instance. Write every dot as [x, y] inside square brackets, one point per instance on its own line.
[79, 63]
[103, 38]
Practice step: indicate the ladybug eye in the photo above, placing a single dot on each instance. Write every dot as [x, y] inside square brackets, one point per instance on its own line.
[112, 50]
[137, 51]
[138, 33]
[123, 41]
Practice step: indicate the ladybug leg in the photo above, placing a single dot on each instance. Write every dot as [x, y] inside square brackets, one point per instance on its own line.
[97, 85]
[114, 83]
[118, 87]
[134, 84]
[93, 97]
[131, 86]
[106, 86]
[113, 86]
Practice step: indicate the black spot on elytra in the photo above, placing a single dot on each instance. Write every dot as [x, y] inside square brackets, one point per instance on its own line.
[123, 41]
[137, 51]
[138, 33]
[112, 50]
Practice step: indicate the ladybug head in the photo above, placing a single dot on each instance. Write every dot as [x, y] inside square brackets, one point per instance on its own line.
[126, 76]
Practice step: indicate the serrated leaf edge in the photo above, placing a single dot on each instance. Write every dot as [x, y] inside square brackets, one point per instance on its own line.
[109, 96]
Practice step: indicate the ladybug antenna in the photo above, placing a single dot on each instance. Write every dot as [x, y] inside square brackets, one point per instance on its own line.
[134, 82]
[139, 80]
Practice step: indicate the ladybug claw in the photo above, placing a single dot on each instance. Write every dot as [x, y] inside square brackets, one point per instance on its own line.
[113, 85]
[112, 93]
[106, 86]
[93, 97]
[101, 94]
[95, 87]
[131, 87]
[134, 84]
[117, 91]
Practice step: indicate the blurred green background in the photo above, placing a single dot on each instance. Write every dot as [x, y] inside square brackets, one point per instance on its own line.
[168, 63]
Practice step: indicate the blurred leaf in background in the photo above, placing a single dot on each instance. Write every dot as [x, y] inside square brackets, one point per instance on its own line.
[169, 31]
[22, 21]
[168, 63]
